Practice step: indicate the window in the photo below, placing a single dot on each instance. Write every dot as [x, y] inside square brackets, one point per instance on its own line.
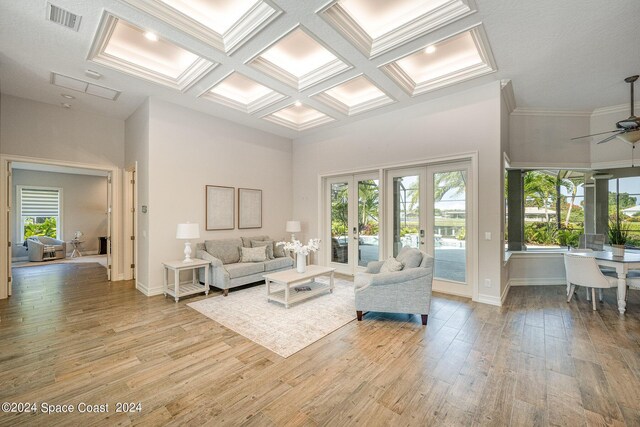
[553, 208]
[624, 206]
[39, 210]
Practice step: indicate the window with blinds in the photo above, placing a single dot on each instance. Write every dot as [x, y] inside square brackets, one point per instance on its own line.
[40, 211]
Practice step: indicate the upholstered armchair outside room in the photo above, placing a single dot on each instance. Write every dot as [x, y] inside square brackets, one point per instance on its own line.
[43, 248]
[404, 291]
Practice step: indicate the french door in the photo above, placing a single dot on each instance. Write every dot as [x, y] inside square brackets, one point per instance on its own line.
[352, 231]
[429, 208]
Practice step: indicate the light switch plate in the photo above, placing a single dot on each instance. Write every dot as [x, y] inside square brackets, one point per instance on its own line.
[487, 235]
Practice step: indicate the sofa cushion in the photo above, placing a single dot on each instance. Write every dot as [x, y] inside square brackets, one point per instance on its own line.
[391, 265]
[278, 251]
[226, 250]
[409, 257]
[267, 243]
[246, 241]
[242, 269]
[278, 263]
[258, 254]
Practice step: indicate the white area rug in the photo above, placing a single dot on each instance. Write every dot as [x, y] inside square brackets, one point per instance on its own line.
[281, 330]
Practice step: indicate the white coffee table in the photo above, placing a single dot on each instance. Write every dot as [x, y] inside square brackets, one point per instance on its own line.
[291, 278]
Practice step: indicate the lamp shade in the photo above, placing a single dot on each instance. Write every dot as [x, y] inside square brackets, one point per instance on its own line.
[188, 231]
[293, 226]
[630, 137]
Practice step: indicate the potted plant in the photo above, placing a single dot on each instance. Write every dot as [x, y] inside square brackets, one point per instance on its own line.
[618, 233]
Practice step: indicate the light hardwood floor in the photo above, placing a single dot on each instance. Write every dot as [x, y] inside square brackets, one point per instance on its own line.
[68, 336]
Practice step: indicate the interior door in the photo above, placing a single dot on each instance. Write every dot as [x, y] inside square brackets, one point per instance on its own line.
[109, 209]
[449, 226]
[406, 212]
[10, 236]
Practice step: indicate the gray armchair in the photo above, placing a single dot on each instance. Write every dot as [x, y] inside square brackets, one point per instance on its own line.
[43, 248]
[405, 291]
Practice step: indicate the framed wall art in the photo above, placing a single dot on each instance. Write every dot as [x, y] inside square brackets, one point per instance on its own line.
[220, 207]
[249, 208]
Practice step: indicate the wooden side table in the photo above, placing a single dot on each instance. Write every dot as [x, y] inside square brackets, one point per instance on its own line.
[181, 289]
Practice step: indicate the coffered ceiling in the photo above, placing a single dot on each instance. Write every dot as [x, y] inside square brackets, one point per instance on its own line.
[296, 66]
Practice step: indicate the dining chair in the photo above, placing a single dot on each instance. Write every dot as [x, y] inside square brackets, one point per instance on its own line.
[584, 271]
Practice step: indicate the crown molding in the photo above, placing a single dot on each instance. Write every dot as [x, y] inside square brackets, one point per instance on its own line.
[298, 127]
[256, 18]
[183, 82]
[621, 108]
[445, 14]
[331, 69]
[520, 111]
[487, 66]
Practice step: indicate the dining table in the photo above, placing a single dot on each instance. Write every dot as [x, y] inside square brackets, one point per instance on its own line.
[622, 265]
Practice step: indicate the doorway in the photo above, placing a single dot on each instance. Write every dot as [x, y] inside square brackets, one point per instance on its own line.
[353, 221]
[8, 230]
[430, 209]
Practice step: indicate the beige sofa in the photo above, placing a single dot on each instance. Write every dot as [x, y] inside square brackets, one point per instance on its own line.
[227, 271]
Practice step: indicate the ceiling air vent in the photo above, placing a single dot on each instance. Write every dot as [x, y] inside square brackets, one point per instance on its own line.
[63, 17]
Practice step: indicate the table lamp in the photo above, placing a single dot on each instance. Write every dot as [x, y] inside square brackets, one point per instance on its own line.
[187, 232]
[293, 227]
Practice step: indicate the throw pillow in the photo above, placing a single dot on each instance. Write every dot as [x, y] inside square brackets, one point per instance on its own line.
[267, 243]
[246, 241]
[391, 265]
[278, 251]
[253, 254]
[410, 257]
[226, 250]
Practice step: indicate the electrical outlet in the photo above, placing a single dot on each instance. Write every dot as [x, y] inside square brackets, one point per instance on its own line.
[487, 235]
[487, 283]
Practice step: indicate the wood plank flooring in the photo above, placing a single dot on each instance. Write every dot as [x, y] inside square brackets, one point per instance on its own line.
[69, 336]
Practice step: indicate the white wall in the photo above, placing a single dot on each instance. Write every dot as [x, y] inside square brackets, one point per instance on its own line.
[188, 150]
[44, 131]
[543, 139]
[137, 149]
[84, 204]
[463, 122]
[35, 129]
[529, 268]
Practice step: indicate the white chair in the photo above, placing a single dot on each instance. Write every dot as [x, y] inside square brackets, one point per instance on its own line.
[583, 270]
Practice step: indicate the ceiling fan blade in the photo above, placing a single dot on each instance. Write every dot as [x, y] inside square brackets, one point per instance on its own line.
[609, 138]
[595, 134]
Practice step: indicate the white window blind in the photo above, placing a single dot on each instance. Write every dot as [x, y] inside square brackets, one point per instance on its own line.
[40, 202]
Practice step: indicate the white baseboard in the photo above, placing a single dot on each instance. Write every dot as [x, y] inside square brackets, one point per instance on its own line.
[505, 293]
[538, 281]
[149, 291]
[489, 299]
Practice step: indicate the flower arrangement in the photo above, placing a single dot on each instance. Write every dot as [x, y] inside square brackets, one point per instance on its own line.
[300, 249]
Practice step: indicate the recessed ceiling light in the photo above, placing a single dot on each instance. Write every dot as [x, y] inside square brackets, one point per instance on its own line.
[65, 105]
[151, 36]
[297, 104]
[430, 49]
[64, 95]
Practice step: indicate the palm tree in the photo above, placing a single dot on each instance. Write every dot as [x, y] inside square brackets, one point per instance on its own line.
[368, 203]
[541, 187]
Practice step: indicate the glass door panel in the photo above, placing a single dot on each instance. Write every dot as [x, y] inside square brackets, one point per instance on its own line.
[449, 228]
[406, 206]
[368, 221]
[449, 225]
[339, 220]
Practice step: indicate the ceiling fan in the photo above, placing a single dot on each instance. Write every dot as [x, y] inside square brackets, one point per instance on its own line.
[628, 129]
